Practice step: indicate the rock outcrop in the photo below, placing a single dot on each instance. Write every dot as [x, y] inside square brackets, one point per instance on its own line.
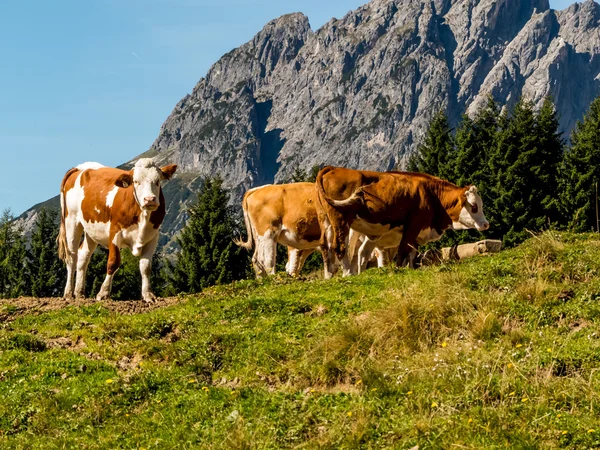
[360, 91]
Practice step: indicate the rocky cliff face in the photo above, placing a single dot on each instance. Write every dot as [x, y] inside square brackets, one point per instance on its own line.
[360, 91]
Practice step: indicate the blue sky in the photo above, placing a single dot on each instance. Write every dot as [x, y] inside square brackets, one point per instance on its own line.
[93, 80]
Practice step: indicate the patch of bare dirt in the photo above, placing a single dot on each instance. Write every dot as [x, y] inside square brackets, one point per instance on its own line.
[22, 306]
[66, 343]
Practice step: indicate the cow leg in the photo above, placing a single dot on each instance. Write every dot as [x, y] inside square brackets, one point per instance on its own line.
[83, 259]
[73, 230]
[382, 257]
[265, 254]
[407, 251]
[329, 263]
[114, 262]
[296, 260]
[364, 254]
[146, 269]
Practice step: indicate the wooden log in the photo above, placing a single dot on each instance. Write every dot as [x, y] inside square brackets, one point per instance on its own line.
[462, 251]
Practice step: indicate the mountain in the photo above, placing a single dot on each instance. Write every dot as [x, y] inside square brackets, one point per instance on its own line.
[360, 91]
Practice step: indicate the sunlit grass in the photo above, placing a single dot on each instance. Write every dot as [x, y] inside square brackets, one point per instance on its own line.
[493, 352]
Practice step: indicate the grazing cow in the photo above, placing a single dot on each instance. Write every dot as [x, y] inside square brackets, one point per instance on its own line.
[114, 208]
[284, 214]
[415, 206]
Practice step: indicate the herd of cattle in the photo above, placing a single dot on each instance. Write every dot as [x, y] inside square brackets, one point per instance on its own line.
[350, 215]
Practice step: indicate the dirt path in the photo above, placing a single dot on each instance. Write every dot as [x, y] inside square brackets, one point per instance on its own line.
[10, 309]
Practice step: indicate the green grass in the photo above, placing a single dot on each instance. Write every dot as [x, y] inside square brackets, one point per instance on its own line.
[492, 352]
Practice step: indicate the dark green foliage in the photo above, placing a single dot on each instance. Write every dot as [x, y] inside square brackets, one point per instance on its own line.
[581, 172]
[208, 255]
[47, 272]
[13, 258]
[513, 159]
[525, 166]
[436, 155]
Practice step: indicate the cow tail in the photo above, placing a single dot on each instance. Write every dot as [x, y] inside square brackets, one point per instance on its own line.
[248, 244]
[61, 239]
[356, 198]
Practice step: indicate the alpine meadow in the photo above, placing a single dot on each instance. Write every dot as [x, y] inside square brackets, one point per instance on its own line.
[287, 257]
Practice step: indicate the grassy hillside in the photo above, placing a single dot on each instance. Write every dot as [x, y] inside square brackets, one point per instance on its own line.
[493, 352]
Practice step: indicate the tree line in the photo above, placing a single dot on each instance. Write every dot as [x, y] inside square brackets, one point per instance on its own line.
[528, 177]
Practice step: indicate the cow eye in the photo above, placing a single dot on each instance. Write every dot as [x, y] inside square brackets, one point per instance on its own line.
[474, 209]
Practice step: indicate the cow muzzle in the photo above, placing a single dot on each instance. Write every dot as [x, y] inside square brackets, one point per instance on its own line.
[483, 226]
[150, 203]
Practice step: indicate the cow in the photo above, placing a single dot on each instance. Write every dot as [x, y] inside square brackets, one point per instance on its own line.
[414, 208]
[113, 208]
[284, 214]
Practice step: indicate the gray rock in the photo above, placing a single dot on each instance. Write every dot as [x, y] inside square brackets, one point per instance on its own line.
[360, 91]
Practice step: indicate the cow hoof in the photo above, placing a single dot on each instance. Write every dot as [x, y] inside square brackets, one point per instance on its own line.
[149, 298]
[68, 296]
[102, 296]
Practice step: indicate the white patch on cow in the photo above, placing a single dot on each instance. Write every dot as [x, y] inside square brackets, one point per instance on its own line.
[97, 210]
[469, 220]
[372, 230]
[110, 197]
[290, 238]
[146, 183]
[90, 165]
[98, 231]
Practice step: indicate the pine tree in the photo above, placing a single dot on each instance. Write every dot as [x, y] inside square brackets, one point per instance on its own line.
[47, 273]
[526, 166]
[13, 258]
[208, 255]
[546, 174]
[435, 155]
[581, 172]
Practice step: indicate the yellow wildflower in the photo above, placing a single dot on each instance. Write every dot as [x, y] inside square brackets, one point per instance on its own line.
[349, 413]
[434, 405]
[591, 430]
[444, 344]
[512, 393]
[519, 345]
[564, 432]
[470, 420]
[524, 399]
[191, 381]
[373, 390]
[409, 393]
[559, 416]
[509, 365]
[109, 381]
[358, 383]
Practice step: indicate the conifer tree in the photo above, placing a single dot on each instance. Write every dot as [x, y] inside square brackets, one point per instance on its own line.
[581, 172]
[13, 258]
[435, 155]
[526, 165]
[208, 255]
[47, 273]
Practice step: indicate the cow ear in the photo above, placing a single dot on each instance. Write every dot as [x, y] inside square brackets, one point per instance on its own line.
[471, 194]
[124, 180]
[168, 171]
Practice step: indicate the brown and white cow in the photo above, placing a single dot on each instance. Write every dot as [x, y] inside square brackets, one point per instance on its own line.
[413, 208]
[284, 214]
[113, 208]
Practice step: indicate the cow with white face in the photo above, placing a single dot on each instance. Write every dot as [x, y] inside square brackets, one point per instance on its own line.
[113, 208]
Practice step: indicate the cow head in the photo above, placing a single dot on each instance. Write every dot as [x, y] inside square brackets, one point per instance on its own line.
[471, 212]
[145, 178]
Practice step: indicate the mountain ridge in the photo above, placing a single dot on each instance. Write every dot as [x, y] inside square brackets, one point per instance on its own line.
[360, 90]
